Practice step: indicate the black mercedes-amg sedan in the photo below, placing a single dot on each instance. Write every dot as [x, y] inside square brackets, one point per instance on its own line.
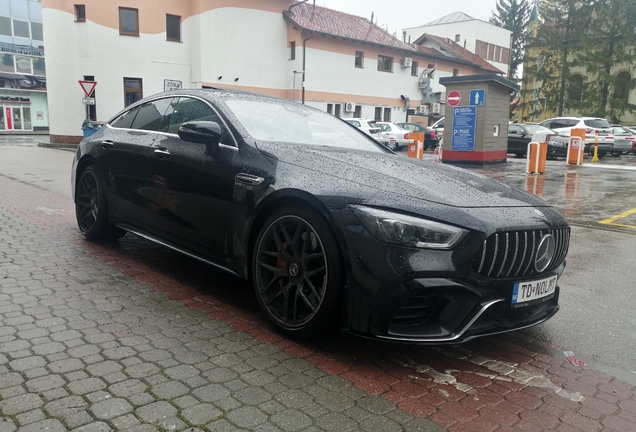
[333, 230]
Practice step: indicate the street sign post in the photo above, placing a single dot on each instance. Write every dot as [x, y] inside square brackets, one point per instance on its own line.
[464, 120]
[88, 87]
[477, 97]
[454, 98]
[171, 85]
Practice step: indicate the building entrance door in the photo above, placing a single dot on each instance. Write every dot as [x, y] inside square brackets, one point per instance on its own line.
[15, 118]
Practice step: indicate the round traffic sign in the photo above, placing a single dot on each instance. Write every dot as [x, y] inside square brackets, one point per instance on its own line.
[454, 98]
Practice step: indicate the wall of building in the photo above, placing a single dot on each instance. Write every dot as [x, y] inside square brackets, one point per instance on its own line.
[242, 44]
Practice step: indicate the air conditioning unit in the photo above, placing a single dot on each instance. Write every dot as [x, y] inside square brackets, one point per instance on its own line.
[437, 108]
[406, 62]
[423, 109]
[349, 107]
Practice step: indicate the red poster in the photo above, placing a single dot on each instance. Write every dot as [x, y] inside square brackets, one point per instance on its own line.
[7, 115]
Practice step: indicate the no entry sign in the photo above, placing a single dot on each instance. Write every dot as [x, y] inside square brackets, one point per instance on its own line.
[454, 98]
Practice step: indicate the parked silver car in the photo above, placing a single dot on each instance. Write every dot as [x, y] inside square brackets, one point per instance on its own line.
[393, 136]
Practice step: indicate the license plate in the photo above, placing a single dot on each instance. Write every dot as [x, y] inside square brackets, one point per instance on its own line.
[527, 291]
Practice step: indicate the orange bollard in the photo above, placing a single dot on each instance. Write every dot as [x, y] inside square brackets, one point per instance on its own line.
[537, 156]
[576, 147]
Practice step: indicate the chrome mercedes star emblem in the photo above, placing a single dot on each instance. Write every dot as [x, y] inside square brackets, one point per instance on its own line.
[293, 270]
[545, 252]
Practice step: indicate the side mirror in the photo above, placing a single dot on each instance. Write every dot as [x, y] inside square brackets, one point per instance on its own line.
[202, 132]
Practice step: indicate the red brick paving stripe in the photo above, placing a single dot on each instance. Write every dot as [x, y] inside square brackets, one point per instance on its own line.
[490, 404]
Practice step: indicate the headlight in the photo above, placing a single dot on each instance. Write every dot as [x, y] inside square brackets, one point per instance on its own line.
[403, 230]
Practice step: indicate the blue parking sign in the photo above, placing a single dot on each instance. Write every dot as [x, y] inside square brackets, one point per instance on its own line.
[477, 97]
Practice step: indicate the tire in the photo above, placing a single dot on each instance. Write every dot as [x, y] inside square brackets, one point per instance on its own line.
[617, 154]
[297, 273]
[520, 155]
[91, 208]
[601, 153]
[393, 146]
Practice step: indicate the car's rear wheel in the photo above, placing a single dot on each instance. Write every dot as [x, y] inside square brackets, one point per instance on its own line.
[297, 273]
[617, 154]
[91, 209]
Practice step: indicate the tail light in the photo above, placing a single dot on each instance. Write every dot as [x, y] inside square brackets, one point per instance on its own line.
[433, 136]
[406, 136]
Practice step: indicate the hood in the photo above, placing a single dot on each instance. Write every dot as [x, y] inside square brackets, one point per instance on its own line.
[386, 172]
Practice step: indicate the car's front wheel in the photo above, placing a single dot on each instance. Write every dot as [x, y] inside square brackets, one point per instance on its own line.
[91, 209]
[297, 273]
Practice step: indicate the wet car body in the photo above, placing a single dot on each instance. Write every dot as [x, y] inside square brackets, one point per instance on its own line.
[215, 203]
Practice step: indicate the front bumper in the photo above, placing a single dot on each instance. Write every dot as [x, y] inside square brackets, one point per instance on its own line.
[428, 296]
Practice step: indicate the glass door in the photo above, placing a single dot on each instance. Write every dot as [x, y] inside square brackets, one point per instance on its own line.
[15, 118]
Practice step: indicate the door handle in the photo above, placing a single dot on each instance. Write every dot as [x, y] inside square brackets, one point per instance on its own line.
[107, 144]
[162, 153]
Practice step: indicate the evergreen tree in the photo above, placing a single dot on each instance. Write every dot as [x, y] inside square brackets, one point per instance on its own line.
[607, 52]
[513, 15]
[547, 70]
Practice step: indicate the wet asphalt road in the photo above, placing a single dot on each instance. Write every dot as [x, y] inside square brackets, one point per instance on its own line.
[596, 321]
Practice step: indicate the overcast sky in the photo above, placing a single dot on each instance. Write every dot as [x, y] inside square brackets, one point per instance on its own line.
[399, 14]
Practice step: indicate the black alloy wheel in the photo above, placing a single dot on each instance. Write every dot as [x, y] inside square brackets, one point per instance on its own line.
[392, 145]
[91, 210]
[297, 273]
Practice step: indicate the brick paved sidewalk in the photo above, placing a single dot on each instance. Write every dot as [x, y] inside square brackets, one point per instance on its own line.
[132, 336]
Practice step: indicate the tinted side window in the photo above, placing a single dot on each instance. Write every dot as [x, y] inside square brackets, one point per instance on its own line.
[597, 123]
[547, 123]
[125, 120]
[151, 115]
[572, 123]
[557, 124]
[188, 109]
[517, 130]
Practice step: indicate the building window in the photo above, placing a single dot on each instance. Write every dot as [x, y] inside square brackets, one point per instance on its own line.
[359, 59]
[387, 114]
[378, 114]
[455, 72]
[623, 81]
[5, 26]
[385, 64]
[357, 113]
[414, 68]
[21, 29]
[575, 87]
[458, 37]
[133, 90]
[330, 108]
[292, 50]
[80, 13]
[338, 107]
[173, 28]
[36, 31]
[128, 21]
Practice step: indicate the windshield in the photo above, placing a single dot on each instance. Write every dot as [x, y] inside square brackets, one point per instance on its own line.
[279, 121]
[597, 123]
[538, 129]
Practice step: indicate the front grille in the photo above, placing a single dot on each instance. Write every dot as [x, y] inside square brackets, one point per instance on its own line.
[512, 254]
[417, 310]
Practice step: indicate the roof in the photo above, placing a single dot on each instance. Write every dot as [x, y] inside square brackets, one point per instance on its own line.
[453, 47]
[331, 22]
[451, 18]
[478, 78]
